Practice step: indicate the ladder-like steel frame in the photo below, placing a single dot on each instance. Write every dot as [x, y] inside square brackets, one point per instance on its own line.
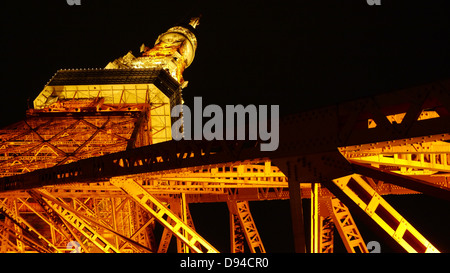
[163, 215]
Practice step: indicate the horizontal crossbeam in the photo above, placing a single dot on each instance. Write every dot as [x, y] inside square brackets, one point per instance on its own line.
[346, 126]
[404, 181]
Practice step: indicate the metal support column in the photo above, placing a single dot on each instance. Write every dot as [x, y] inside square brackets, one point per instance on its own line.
[298, 226]
[346, 226]
[237, 237]
[315, 235]
[247, 225]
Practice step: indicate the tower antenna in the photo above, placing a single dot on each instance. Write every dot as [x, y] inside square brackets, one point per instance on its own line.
[195, 21]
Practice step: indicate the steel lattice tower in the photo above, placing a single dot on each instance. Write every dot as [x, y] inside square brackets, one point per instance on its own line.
[93, 166]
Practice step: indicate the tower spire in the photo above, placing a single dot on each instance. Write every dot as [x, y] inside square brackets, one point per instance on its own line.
[174, 50]
[195, 21]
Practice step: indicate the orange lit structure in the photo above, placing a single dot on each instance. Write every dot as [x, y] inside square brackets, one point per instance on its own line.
[93, 164]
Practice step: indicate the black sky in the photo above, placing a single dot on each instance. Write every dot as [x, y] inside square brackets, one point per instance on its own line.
[298, 54]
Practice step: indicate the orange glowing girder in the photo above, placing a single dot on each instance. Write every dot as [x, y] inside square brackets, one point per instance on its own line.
[346, 226]
[180, 229]
[354, 190]
[40, 142]
[247, 226]
[24, 231]
[317, 146]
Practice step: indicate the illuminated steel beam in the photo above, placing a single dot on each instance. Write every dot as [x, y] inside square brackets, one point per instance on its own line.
[167, 234]
[346, 227]
[144, 237]
[354, 190]
[133, 222]
[415, 159]
[82, 226]
[165, 239]
[209, 190]
[13, 241]
[237, 237]
[17, 227]
[26, 233]
[6, 235]
[248, 227]
[90, 216]
[62, 140]
[179, 206]
[432, 189]
[317, 139]
[315, 218]
[159, 211]
[220, 194]
[60, 232]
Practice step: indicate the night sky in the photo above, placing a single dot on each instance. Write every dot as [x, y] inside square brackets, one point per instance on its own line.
[299, 55]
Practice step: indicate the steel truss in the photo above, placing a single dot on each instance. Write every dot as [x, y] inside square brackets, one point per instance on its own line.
[137, 203]
[383, 214]
[166, 217]
[243, 225]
